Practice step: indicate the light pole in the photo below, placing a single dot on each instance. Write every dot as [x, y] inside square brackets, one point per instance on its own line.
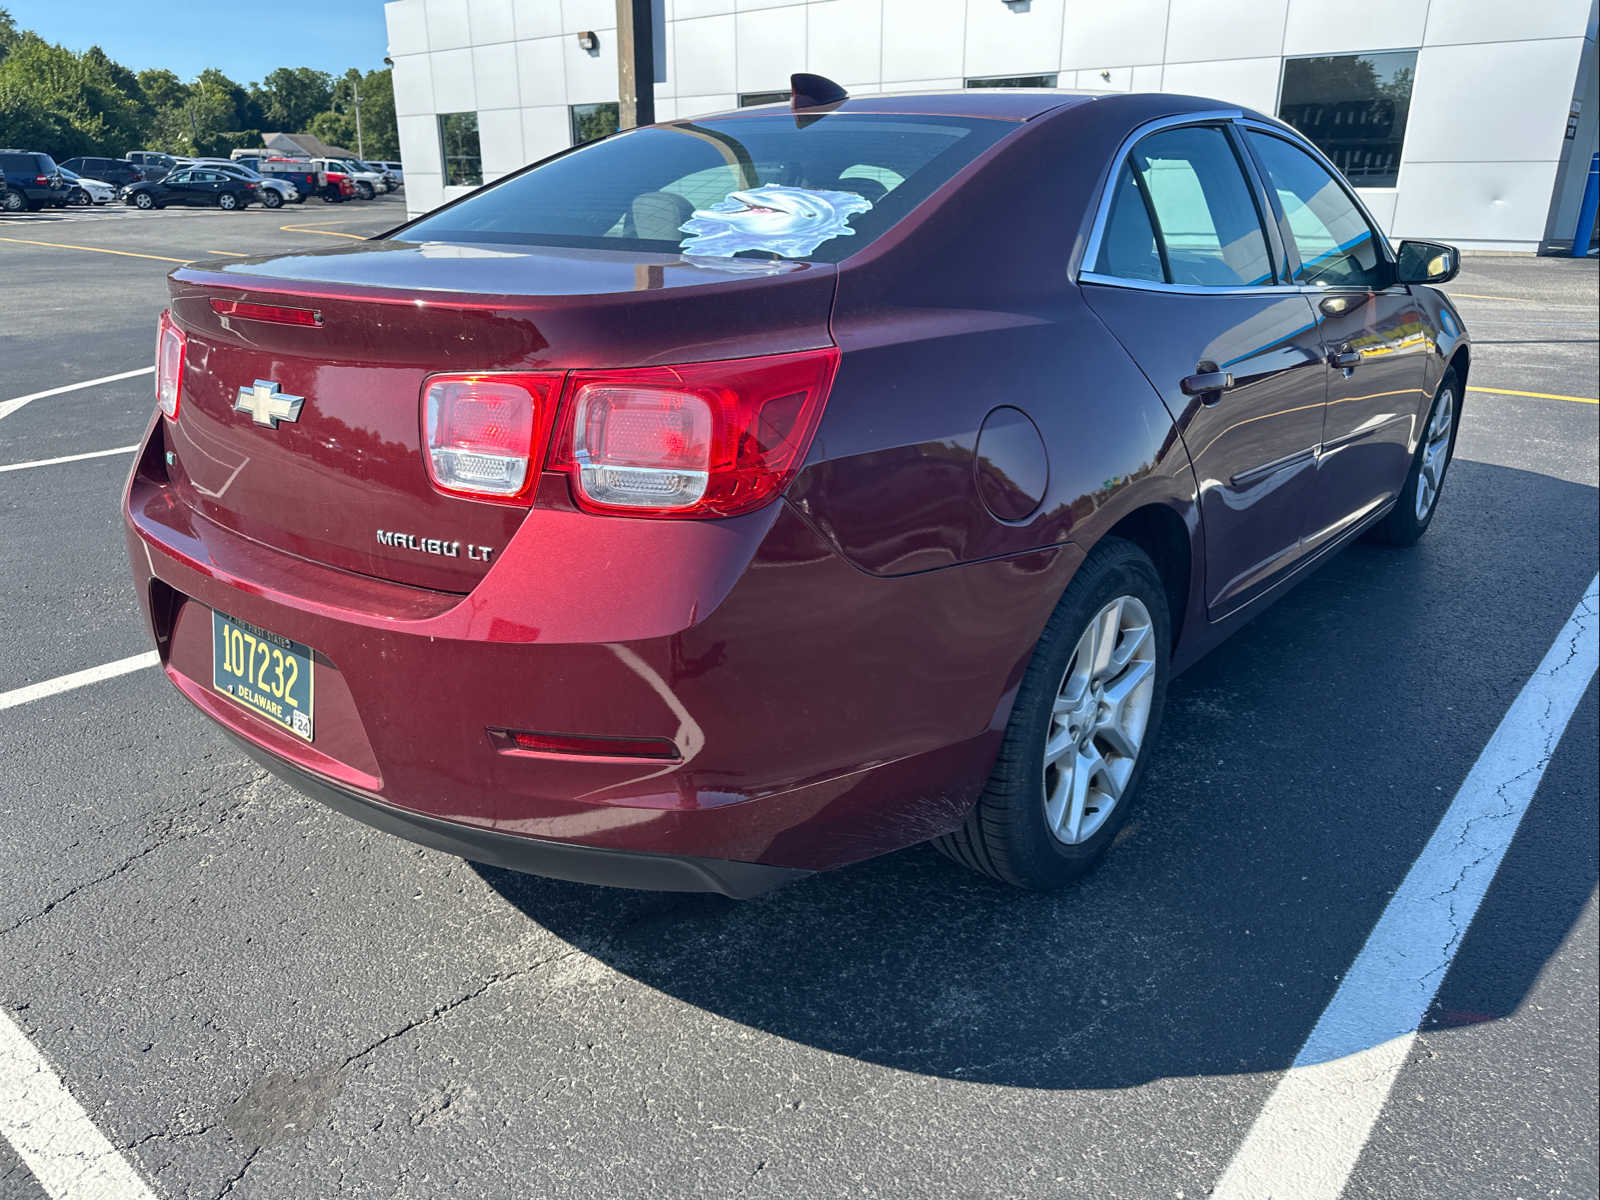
[636, 63]
[361, 152]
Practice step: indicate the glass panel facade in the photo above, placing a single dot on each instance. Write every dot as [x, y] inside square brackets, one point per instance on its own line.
[458, 149]
[1015, 81]
[592, 121]
[1354, 107]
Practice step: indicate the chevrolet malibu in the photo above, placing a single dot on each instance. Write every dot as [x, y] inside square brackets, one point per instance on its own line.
[746, 496]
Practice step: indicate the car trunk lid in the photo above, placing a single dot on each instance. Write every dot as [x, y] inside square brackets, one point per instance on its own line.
[344, 482]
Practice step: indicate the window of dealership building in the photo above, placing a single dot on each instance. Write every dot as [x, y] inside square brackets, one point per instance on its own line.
[1469, 121]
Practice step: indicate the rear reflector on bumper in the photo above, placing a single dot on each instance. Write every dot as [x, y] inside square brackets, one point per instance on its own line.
[583, 745]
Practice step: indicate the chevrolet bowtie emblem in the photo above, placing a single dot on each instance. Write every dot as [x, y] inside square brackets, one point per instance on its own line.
[267, 405]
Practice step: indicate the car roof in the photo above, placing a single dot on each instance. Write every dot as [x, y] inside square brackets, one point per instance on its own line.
[1003, 104]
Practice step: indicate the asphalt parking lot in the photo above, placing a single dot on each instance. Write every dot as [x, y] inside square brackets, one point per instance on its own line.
[251, 996]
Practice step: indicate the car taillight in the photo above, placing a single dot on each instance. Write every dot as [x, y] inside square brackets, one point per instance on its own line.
[484, 434]
[41, 180]
[170, 344]
[710, 439]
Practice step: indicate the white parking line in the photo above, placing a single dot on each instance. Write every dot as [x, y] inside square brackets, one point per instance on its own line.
[77, 679]
[7, 407]
[54, 1137]
[1306, 1140]
[68, 458]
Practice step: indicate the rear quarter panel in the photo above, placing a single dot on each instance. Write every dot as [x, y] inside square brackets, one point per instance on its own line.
[969, 305]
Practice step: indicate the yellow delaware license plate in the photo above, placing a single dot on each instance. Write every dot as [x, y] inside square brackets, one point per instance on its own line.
[266, 672]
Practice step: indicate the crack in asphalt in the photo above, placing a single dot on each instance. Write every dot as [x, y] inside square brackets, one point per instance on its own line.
[164, 837]
[249, 1161]
[449, 1006]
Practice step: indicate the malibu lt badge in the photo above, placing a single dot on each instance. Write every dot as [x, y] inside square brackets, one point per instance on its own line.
[422, 545]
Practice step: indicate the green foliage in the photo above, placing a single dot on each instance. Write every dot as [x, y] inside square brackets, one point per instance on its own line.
[290, 96]
[67, 104]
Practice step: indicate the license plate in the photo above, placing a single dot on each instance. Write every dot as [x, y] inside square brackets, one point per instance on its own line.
[266, 672]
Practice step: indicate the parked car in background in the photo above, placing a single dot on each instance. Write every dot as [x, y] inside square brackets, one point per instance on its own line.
[866, 570]
[10, 201]
[118, 172]
[337, 187]
[197, 187]
[380, 169]
[367, 184]
[83, 192]
[152, 164]
[301, 172]
[275, 193]
[35, 177]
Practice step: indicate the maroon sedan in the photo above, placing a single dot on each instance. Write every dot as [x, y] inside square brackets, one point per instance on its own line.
[742, 497]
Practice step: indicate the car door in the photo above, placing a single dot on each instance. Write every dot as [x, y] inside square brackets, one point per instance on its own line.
[1374, 333]
[1190, 278]
[207, 186]
[178, 187]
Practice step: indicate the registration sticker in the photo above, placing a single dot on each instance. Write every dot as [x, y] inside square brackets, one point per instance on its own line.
[266, 672]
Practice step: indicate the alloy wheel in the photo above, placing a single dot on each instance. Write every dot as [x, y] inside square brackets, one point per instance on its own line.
[1098, 720]
[1435, 453]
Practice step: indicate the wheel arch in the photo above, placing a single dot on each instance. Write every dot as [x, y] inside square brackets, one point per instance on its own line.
[1163, 535]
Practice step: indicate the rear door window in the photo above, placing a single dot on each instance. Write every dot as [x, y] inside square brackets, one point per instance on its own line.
[1207, 228]
[1336, 245]
[767, 186]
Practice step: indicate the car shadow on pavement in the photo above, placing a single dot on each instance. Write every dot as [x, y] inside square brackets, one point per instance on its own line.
[1301, 769]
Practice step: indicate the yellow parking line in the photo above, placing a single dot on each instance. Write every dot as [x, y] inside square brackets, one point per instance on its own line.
[229, 253]
[1475, 296]
[1536, 395]
[92, 249]
[324, 232]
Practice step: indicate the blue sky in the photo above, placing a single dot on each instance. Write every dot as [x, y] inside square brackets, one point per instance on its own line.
[245, 38]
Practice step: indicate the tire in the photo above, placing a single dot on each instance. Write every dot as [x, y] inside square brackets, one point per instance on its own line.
[144, 201]
[271, 199]
[227, 202]
[1008, 834]
[13, 202]
[79, 198]
[364, 189]
[1413, 510]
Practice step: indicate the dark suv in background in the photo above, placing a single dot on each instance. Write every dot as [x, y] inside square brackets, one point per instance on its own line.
[118, 172]
[152, 163]
[35, 176]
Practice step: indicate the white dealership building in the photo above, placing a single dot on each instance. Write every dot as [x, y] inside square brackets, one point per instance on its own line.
[1471, 121]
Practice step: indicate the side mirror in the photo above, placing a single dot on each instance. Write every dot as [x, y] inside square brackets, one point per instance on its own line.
[1427, 262]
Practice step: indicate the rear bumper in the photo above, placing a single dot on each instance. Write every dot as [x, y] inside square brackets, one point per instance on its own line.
[820, 715]
[554, 860]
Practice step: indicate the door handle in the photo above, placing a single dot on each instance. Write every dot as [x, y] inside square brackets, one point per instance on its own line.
[1345, 358]
[1207, 383]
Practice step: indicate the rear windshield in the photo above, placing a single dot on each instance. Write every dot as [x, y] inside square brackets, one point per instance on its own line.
[769, 186]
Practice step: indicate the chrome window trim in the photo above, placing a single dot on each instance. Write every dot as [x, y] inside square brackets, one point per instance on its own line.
[1091, 252]
[1236, 118]
[1195, 289]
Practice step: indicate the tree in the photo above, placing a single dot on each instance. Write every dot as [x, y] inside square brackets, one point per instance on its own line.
[8, 33]
[289, 97]
[64, 103]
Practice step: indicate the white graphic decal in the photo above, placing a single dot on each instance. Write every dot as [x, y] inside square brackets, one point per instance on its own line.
[781, 220]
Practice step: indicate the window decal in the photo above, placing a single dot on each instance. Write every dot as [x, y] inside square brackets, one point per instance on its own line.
[787, 221]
